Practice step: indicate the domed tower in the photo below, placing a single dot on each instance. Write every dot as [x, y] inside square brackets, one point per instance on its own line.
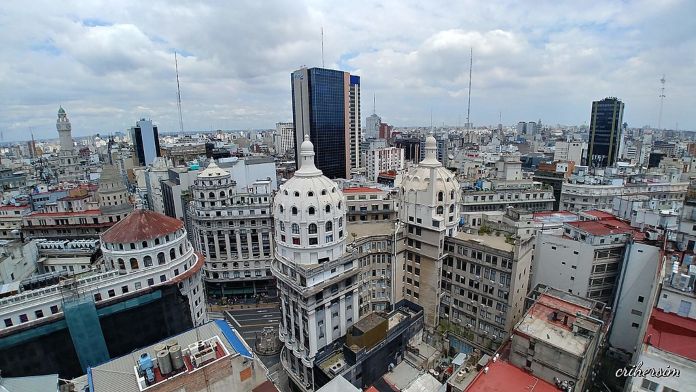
[315, 282]
[429, 211]
[149, 249]
[112, 193]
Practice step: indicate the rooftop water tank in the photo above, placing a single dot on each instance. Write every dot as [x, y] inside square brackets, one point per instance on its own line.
[177, 358]
[165, 362]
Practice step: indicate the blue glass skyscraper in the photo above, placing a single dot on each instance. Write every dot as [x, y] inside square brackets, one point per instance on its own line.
[326, 106]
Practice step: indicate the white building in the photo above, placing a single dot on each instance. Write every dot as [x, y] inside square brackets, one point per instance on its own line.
[284, 138]
[247, 171]
[232, 229]
[383, 159]
[145, 249]
[372, 124]
[569, 151]
[577, 197]
[318, 287]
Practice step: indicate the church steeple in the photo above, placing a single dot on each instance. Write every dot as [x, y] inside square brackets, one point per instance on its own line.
[64, 131]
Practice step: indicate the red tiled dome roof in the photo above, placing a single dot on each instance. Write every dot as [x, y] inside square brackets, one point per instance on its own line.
[141, 225]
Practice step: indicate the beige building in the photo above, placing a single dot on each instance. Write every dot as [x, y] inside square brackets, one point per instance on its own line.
[429, 213]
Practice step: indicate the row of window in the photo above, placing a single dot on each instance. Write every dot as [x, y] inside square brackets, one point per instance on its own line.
[142, 245]
[134, 263]
[311, 210]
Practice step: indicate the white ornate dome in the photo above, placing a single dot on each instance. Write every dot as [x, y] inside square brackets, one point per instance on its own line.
[430, 193]
[309, 212]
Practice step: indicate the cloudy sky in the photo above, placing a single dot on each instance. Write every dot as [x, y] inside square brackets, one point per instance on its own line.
[109, 63]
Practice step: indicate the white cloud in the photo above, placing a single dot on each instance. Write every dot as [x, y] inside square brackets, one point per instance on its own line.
[109, 63]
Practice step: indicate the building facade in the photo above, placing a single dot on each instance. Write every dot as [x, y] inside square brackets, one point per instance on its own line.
[429, 213]
[381, 160]
[284, 138]
[232, 229]
[606, 122]
[145, 139]
[326, 106]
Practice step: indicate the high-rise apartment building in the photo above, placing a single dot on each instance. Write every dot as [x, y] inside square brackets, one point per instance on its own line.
[605, 132]
[145, 138]
[372, 126]
[326, 106]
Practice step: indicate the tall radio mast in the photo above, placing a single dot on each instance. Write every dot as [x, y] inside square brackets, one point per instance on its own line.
[662, 100]
[468, 105]
[178, 95]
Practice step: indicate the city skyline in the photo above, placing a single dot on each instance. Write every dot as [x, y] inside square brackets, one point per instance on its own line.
[109, 65]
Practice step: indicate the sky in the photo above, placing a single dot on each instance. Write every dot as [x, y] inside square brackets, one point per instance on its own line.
[110, 63]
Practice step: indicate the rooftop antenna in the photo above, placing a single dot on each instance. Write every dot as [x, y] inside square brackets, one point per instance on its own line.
[468, 105]
[662, 100]
[322, 46]
[178, 94]
[431, 119]
[374, 103]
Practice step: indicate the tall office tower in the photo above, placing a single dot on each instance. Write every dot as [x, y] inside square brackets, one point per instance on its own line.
[429, 212]
[237, 247]
[372, 126]
[317, 283]
[145, 141]
[605, 132]
[284, 138]
[326, 106]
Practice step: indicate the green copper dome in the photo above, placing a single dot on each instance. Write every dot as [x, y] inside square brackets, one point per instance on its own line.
[61, 110]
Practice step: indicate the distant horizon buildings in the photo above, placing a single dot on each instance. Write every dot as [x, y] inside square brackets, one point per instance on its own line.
[605, 132]
[326, 106]
[145, 139]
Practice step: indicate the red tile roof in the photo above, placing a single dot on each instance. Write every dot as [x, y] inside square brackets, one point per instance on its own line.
[362, 189]
[608, 227]
[672, 333]
[599, 214]
[141, 225]
[266, 386]
[505, 377]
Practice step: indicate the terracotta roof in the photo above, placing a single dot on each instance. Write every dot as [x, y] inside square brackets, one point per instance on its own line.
[266, 386]
[607, 227]
[599, 214]
[672, 333]
[361, 189]
[141, 225]
[505, 377]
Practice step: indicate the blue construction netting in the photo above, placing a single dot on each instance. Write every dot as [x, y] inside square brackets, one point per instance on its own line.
[85, 332]
[234, 340]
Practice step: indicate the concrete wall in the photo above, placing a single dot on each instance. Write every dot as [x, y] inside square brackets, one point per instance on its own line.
[563, 263]
[634, 296]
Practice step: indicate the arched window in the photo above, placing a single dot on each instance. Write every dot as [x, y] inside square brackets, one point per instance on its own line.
[235, 265]
[282, 226]
[202, 195]
[295, 228]
[286, 192]
[211, 195]
[312, 229]
[172, 254]
[144, 244]
[440, 210]
[121, 264]
[297, 194]
[157, 241]
[222, 193]
[452, 195]
[451, 207]
[323, 192]
[311, 210]
[440, 196]
[327, 208]
[160, 258]
[333, 190]
[310, 194]
[181, 249]
[340, 222]
[133, 263]
[132, 246]
[329, 226]
[339, 205]
[147, 261]
[280, 207]
[294, 210]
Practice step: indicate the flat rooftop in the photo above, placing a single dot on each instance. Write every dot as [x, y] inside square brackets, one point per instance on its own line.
[118, 375]
[492, 241]
[369, 322]
[538, 323]
[366, 229]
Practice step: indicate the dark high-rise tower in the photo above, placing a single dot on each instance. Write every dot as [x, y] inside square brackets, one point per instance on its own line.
[145, 139]
[326, 106]
[605, 132]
